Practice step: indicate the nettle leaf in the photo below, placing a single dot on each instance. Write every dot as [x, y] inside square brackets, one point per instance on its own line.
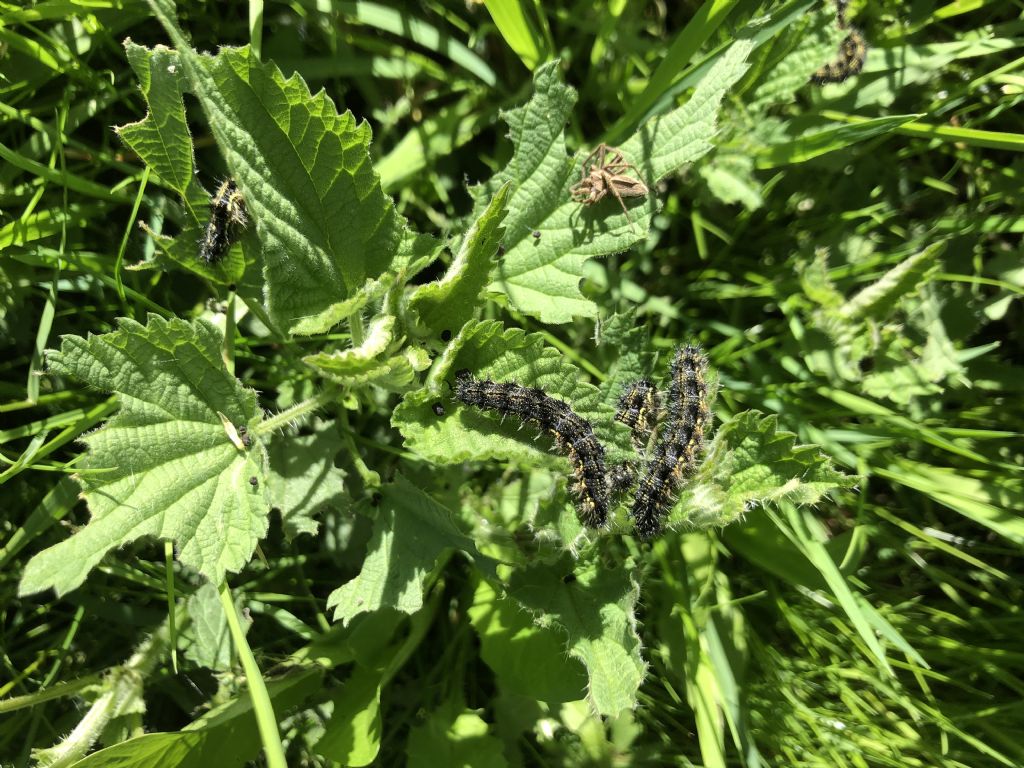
[348, 364]
[462, 432]
[597, 613]
[161, 138]
[527, 659]
[415, 252]
[373, 362]
[541, 275]
[326, 227]
[845, 331]
[163, 141]
[730, 178]
[633, 358]
[211, 645]
[907, 370]
[352, 735]
[450, 302]
[411, 533]
[817, 283]
[170, 464]
[816, 43]
[751, 462]
[522, 500]
[303, 479]
[899, 380]
[528, 499]
[454, 735]
[182, 251]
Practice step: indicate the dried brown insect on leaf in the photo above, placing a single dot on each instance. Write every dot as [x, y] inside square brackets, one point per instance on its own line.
[604, 173]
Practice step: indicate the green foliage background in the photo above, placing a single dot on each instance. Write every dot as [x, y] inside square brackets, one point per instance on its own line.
[237, 531]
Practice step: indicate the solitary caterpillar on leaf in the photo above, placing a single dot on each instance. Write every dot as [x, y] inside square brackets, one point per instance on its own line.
[853, 51]
[227, 216]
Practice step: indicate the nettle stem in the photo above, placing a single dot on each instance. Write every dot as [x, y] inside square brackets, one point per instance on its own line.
[121, 692]
[355, 325]
[298, 411]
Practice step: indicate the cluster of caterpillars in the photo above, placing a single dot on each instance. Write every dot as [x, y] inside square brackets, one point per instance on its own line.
[662, 471]
[680, 438]
[853, 50]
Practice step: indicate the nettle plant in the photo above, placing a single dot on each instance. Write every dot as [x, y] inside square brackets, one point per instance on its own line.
[191, 457]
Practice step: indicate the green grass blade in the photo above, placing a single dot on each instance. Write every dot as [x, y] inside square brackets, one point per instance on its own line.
[397, 22]
[516, 25]
[60, 178]
[820, 142]
[266, 721]
[674, 64]
[800, 524]
[983, 502]
[436, 137]
[256, 27]
[57, 503]
[1012, 142]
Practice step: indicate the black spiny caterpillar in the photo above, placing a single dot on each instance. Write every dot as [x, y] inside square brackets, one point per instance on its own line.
[680, 442]
[853, 50]
[638, 410]
[227, 216]
[574, 436]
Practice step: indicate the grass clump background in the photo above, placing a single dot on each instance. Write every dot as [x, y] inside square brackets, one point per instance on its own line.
[247, 521]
